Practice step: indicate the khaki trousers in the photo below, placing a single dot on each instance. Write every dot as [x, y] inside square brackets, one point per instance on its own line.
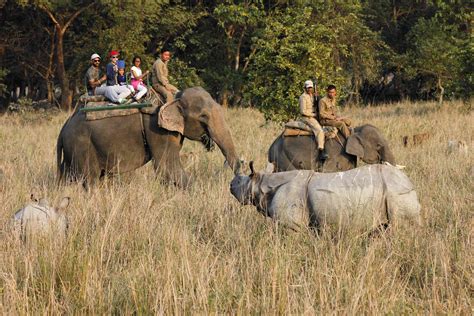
[341, 125]
[317, 130]
[167, 94]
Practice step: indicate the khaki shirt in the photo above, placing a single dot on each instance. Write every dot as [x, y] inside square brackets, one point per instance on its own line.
[327, 109]
[160, 74]
[307, 105]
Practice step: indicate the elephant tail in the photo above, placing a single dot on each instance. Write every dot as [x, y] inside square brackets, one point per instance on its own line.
[59, 161]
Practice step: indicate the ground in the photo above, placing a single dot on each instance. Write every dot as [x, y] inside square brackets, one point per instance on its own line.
[135, 245]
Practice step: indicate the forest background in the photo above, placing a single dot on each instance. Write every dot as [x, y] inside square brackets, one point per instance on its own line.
[245, 53]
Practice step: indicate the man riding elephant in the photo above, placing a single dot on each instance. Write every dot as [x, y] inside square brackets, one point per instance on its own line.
[160, 79]
[306, 101]
[327, 113]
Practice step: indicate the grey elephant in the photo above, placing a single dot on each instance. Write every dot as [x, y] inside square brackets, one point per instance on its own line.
[300, 152]
[368, 197]
[88, 150]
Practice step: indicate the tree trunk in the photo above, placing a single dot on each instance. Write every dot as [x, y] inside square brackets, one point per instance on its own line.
[66, 99]
[441, 91]
[225, 97]
[61, 28]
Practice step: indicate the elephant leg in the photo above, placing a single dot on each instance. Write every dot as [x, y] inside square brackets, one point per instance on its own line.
[165, 149]
[172, 172]
[82, 166]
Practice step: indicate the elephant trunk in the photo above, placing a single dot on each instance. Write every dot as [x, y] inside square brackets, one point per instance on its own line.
[387, 155]
[220, 134]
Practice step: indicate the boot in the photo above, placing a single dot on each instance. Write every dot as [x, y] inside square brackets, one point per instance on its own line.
[322, 154]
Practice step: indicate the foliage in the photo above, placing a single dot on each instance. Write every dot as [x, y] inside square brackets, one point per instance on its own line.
[3, 87]
[288, 53]
[434, 52]
[251, 52]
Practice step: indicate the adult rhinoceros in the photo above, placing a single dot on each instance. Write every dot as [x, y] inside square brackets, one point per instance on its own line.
[89, 149]
[367, 197]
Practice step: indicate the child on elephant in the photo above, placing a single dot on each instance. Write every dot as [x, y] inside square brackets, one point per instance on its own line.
[121, 77]
[137, 78]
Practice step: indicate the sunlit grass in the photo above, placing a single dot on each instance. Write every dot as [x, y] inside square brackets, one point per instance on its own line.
[135, 245]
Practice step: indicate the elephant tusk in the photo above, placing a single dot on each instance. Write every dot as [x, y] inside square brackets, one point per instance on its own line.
[400, 167]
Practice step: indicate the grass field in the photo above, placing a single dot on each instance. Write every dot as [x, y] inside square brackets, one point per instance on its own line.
[135, 245]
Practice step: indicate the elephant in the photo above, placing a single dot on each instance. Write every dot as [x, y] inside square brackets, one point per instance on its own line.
[368, 197]
[89, 150]
[300, 152]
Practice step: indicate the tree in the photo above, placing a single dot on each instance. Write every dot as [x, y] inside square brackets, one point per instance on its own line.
[435, 52]
[34, 57]
[289, 50]
[238, 22]
[61, 14]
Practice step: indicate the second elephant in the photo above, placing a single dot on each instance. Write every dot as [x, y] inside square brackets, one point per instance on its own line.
[300, 152]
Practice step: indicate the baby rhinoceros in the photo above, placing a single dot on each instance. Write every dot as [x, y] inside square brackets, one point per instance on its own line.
[365, 197]
[39, 219]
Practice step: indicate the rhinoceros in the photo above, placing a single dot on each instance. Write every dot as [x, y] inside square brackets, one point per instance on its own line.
[38, 218]
[367, 197]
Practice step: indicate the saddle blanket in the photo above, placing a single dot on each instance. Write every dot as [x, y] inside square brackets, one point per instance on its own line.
[299, 128]
[99, 115]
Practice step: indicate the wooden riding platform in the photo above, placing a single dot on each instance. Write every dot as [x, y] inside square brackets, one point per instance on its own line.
[299, 128]
[97, 108]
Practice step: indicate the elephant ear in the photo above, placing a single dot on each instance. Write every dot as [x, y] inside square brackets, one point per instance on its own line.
[354, 146]
[171, 117]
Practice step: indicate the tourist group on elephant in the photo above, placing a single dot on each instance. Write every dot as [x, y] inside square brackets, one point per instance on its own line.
[120, 87]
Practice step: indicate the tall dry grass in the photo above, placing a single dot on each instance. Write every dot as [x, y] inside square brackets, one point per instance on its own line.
[135, 245]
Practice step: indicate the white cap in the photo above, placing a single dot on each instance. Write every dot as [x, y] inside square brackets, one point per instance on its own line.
[94, 56]
[308, 84]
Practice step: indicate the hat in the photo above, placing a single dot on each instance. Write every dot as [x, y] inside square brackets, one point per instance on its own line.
[113, 53]
[121, 64]
[308, 84]
[94, 56]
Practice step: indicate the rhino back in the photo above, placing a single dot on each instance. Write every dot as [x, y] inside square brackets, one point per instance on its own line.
[354, 197]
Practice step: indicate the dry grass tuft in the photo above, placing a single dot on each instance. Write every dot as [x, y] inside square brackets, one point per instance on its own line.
[135, 245]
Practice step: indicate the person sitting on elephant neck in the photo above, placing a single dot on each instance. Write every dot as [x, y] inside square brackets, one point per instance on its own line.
[306, 102]
[112, 72]
[160, 80]
[327, 113]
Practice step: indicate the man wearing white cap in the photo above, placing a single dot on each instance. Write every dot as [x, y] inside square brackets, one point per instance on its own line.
[307, 111]
[93, 78]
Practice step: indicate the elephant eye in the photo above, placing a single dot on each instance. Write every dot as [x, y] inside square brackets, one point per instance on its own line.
[204, 117]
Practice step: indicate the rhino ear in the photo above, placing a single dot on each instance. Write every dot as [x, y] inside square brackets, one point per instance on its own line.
[170, 117]
[354, 146]
[43, 202]
[64, 203]
[271, 182]
[270, 168]
[252, 170]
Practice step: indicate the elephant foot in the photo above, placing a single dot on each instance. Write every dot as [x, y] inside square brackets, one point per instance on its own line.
[181, 181]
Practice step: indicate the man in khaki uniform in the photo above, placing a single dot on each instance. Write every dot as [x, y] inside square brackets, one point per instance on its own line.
[307, 111]
[327, 113]
[160, 80]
